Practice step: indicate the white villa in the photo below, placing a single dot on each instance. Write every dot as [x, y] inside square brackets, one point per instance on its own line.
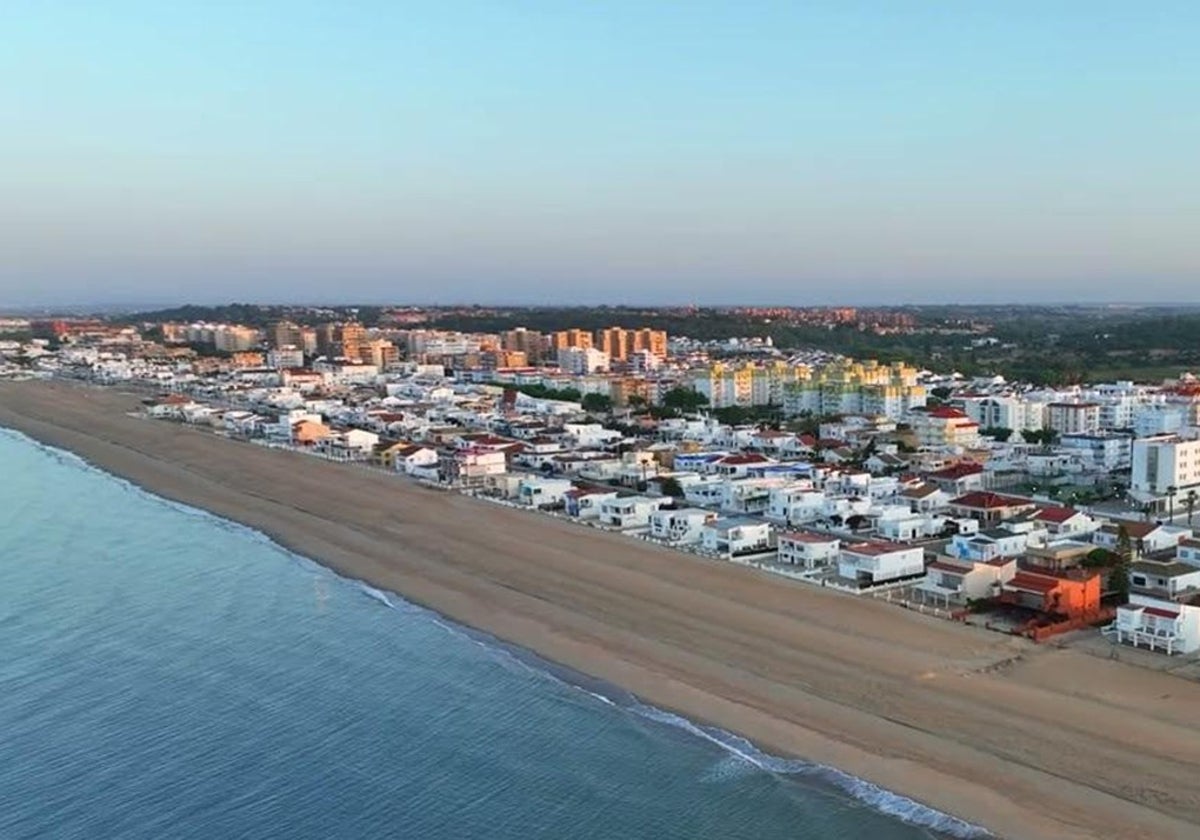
[807, 549]
[680, 526]
[1158, 625]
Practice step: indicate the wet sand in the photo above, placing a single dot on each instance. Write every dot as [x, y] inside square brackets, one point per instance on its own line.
[1028, 741]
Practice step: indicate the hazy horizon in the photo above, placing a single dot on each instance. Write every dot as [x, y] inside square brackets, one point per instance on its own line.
[859, 153]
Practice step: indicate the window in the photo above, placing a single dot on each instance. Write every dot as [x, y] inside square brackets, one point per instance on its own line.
[1139, 580]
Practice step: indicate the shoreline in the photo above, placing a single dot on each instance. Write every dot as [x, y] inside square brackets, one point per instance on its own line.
[901, 701]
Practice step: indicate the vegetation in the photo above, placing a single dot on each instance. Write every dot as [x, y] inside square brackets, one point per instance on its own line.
[671, 487]
[997, 433]
[684, 400]
[596, 403]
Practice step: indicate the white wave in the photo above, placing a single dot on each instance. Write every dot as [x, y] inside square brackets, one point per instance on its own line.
[377, 594]
[884, 801]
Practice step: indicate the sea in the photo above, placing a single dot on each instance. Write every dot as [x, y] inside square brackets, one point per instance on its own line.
[165, 673]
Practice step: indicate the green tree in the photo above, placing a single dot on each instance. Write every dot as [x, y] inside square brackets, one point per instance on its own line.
[1171, 491]
[637, 402]
[684, 399]
[1189, 501]
[671, 487]
[596, 403]
[997, 433]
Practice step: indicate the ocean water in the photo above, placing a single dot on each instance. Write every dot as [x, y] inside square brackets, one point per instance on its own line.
[167, 674]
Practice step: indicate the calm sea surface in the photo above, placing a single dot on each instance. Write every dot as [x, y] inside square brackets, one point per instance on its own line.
[166, 674]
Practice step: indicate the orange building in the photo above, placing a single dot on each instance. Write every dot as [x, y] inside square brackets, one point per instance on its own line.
[620, 343]
[571, 338]
[1075, 596]
[308, 432]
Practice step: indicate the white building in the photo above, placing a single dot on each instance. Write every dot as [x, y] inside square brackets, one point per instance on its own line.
[952, 582]
[875, 562]
[1106, 451]
[629, 511]
[1154, 420]
[541, 492]
[1073, 418]
[795, 505]
[582, 360]
[680, 526]
[1161, 463]
[1158, 625]
[807, 549]
[735, 537]
[984, 546]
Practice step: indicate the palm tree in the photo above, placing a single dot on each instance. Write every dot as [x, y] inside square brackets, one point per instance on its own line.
[1190, 501]
[1171, 491]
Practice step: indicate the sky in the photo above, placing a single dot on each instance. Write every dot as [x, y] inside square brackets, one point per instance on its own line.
[605, 152]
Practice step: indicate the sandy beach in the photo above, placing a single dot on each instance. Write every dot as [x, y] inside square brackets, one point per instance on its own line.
[1028, 741]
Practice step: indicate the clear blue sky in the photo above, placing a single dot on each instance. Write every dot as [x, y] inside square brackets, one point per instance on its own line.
[792, 152]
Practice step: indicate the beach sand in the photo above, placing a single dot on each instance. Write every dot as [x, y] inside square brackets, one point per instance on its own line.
[1029, 741]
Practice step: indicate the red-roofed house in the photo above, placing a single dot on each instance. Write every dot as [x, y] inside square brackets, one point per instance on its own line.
[1159, 625]
[954, 582]
[1054, 595]
[959, 478]
[1065, 522]
[989, 508]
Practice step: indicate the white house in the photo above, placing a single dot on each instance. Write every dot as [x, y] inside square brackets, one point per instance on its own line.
[807, 549]
[416, 460]
[1164, 580]
[629, 511]
[874, 562]
[953, 582]
[737, 536]
[1065, 522]
[899, 524]
[542, 492]
[982, 546]
[680, 526]
[1158, 625]
[795, 504]
[749, 495]
[586, 504]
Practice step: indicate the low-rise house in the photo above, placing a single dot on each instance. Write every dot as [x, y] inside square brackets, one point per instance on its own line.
[1056, 596]
[795, 504]
[309, 432]
[925, 498]
[953, 582]
[627, 512]
[1188, 551]
[749, 495]
[983, 546]
[875, 562]
[1144, 537]
[680, 526]
[1058, 556]
[904, 525]
[990, 508]
[1171, 581]
[707, 490]
[739, 465]
[958, 479]
[1158, 625]
[737, 537]
[542, 492]
[586, 504]
[470, 467]
[808, 549]
[1065, 522]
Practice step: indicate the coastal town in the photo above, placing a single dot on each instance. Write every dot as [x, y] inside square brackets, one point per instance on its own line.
[1061, 514]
